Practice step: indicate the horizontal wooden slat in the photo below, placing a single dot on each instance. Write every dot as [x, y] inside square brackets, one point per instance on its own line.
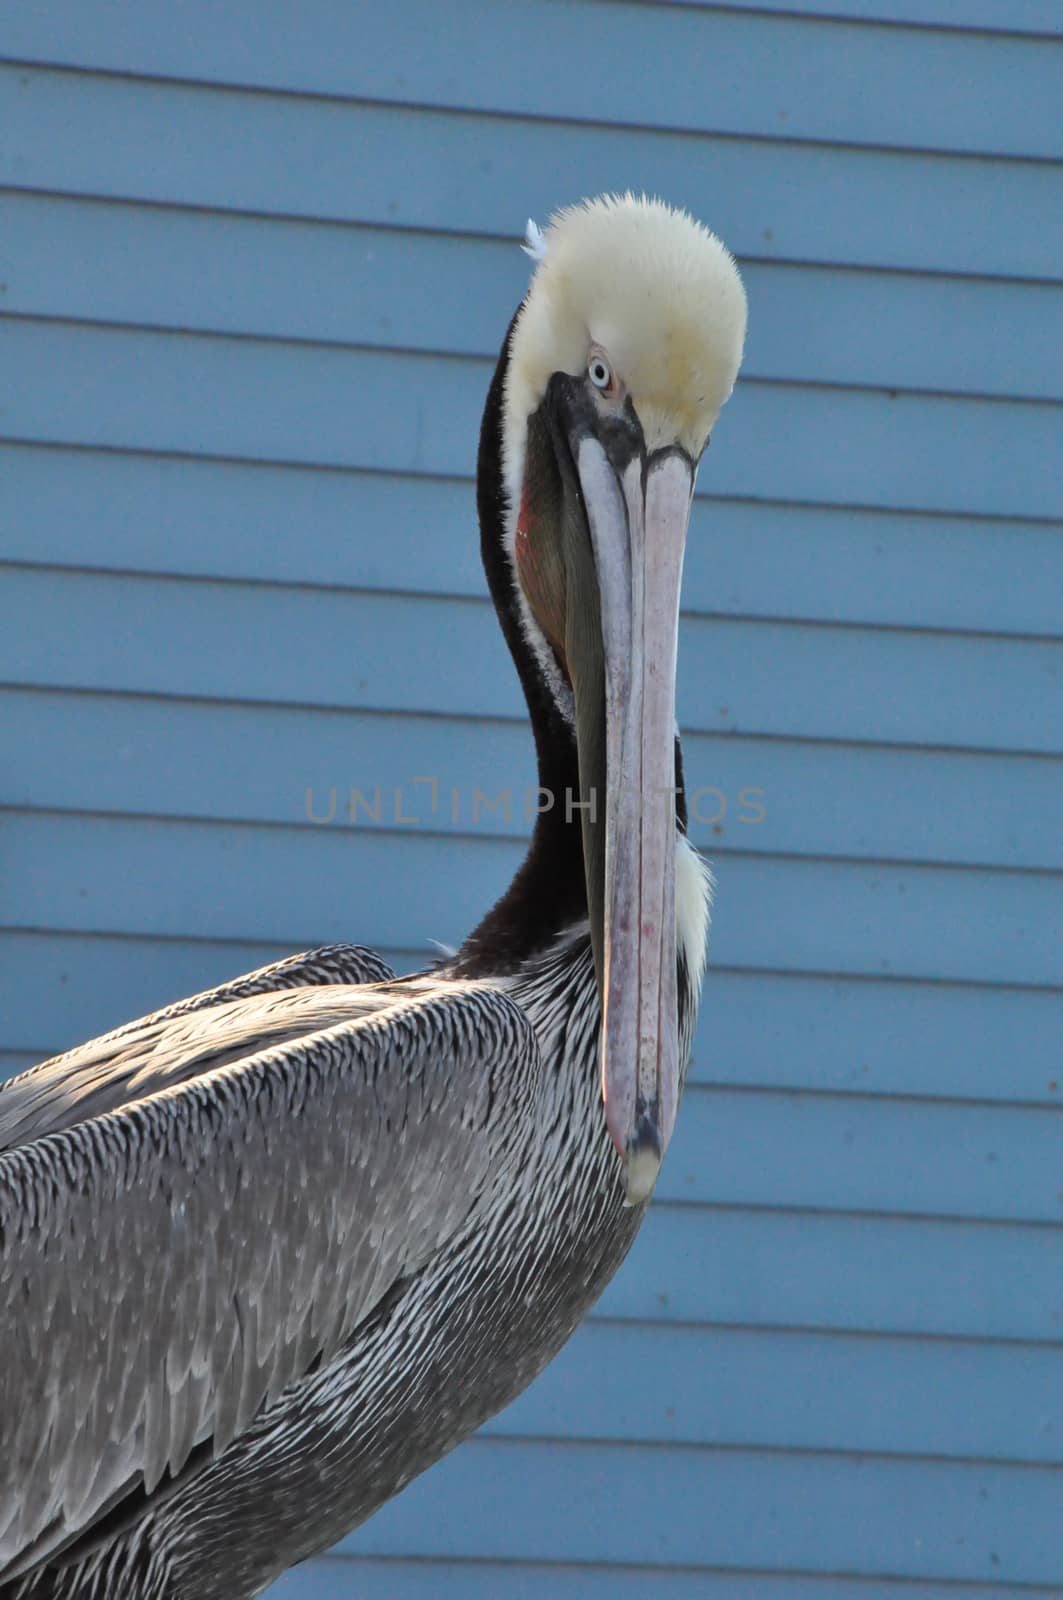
[827, 1270]
[756, 1029]
[61, 989]
[730, 1509]
[129, 139]
[379, 1578]
[87, 508]
[304, 886]
[125, 389]
[13, 1062]
[884, 1037]
[108, 509]
[796, 1391]
[171, 268]
[1019, 16]
[886, 86]
[154, 757]
[253, 643]
[849, 1153]
[132, 755]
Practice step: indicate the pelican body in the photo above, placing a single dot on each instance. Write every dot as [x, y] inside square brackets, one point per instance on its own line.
[269, 1253]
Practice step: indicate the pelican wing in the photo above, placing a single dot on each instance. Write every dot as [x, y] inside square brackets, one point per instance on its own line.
[170, 1046]
[167, 1268]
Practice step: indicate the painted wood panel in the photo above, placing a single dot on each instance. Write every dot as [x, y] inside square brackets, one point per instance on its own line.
[15, 1061]
[1022, 16]
[85, 873]
[867, 1154]
[851, 1290]
[330, 407]
[842, 83]
[367, 530]
[382, 1579]
[174, 267]
[736, 1387]
[141, 756]
[732, 1508]
[183, 638]
[132, 139]
[866, 1273]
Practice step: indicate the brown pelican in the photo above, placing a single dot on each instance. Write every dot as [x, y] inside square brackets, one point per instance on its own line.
[268, 1253]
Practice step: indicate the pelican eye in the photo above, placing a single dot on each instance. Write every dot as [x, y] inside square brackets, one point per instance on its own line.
[599, 373]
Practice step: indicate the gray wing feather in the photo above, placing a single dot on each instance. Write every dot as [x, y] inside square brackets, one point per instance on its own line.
[166, 1269]
[169, 1046]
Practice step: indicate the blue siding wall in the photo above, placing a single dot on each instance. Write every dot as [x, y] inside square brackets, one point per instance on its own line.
[255, 263]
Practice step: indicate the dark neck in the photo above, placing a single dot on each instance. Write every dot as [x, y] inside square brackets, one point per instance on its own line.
[549, 893]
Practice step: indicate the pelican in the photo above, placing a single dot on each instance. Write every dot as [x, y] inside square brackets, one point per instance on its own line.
[270, 1252]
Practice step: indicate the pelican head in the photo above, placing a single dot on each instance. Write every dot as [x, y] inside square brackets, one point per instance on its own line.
[620, 358]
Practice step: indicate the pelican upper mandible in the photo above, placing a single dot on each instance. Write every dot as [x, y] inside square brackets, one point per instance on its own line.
[270, 1252]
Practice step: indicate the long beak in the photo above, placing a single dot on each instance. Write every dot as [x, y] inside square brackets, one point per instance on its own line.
[636, 514]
